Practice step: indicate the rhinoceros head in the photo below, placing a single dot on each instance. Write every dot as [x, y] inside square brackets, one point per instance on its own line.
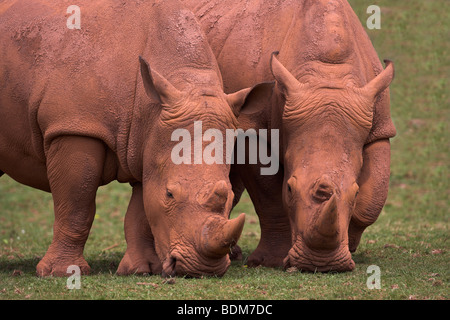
[187, 203]
[325, 124]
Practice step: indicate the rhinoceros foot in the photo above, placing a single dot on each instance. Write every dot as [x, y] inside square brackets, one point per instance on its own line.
[57, 265]
[139, 263]
[266, 258]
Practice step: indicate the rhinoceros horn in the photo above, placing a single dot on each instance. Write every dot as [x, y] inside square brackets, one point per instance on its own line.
[220, 234]
[327, 223]
[218, 198]
[324, 230]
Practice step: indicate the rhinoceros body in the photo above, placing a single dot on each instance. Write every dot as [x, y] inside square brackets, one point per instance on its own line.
[78, 110]
[330, 104]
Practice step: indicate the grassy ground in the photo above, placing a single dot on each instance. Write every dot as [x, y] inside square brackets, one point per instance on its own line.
[409, 242]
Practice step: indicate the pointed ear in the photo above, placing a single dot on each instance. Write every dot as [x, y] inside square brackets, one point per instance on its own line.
[286, 82]
[157, 87]
[251, 100]
[380, 82]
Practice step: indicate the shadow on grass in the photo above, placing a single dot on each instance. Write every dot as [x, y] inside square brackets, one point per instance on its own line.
[99, 264]
[362, 258]
[105, 263]
[16, 266]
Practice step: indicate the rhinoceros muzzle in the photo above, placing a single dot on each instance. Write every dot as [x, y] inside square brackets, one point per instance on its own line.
[322, 244]
[191, 264]
[209, 254]
[304, 258]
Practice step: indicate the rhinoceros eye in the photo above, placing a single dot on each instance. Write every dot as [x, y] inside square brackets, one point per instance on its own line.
[169, 194]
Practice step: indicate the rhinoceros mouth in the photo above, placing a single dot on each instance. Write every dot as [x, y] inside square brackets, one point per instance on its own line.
[192, 264]
[305, 259]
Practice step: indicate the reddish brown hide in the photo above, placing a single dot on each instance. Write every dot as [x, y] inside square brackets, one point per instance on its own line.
[78, 109]
[331, 103]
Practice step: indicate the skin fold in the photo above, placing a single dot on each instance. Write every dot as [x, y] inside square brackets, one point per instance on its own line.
[80, 108]
[330, 101]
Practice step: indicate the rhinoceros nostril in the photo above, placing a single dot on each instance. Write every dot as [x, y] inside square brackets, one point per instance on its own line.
[291, 184]
[322, 197]
[169, 267]
[323, 194]
[322, 190]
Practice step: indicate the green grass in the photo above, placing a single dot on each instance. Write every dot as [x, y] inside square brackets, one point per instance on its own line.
[409, 242]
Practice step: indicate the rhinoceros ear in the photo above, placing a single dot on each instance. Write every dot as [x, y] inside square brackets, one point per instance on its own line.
[157, 87]
[380, 82]
[251, 100]
[286, 82]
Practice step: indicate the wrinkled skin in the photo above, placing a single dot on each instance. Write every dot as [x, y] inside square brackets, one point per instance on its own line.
[331, 104]
[321, 170]
[80, 109]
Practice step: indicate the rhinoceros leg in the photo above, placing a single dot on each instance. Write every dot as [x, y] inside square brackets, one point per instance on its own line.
[238, 188]
[265, 193]
[140, 256]
[373, 189]
[74, 166]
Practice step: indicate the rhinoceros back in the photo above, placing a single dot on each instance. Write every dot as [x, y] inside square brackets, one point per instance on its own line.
[71, 81]
[243, 35]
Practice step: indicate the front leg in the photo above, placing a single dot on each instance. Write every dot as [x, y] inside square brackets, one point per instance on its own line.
[373, 189]
[140, 256]
[74, 169]
[265, 193]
